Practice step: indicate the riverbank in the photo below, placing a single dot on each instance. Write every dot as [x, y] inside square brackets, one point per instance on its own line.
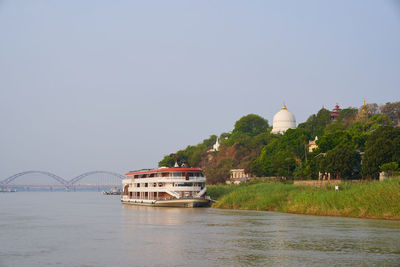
[377, 200]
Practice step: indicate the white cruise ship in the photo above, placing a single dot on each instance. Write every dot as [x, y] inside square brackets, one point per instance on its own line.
[166, 187]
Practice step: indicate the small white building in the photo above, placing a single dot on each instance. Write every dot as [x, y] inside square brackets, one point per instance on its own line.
[237, 176]
[215, 146]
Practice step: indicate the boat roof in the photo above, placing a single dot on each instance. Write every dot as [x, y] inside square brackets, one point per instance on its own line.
[175, 169]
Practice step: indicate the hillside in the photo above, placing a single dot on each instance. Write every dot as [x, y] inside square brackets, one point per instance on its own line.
[367, 132]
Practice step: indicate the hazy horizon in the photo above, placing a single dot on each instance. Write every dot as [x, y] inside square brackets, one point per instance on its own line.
[101, 85]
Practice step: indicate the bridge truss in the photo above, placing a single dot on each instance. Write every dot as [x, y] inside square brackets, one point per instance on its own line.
[76, 182]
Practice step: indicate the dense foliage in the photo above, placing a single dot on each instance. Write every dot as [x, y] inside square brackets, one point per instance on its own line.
[353, 146]
[316, 123]
[382, 146]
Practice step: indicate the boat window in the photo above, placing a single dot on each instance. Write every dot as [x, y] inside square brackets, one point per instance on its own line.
[165, 174]
[154, 184]
[183, 184]
[146, 184]
[138, 185]
[176, 174]
[136, 176]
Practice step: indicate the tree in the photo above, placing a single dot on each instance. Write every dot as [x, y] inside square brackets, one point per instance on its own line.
[303, 170]
[331, 140]
[279, 157]
[209, 142]
[283, 164]
[392, 110]
[296, 141]
[372, 123]
[256, 167]
[372, 108]
[343, 162]
[391, 167]
[167, 161]
[347, 117]
[316, 123]
[250, 125]
[381, 147]
[334, 127]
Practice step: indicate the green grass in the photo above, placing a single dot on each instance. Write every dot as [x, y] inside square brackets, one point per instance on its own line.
[365, 200]
[217, 191]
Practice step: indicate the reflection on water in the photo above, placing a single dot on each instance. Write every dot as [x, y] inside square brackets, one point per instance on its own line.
[229, 237]
[89, 229]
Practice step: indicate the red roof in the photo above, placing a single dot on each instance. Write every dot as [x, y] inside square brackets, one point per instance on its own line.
[336, 112]
[165, 170]
[337, 109]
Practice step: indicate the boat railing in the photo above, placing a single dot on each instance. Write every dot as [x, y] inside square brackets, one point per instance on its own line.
[173, 198]
[127, 198]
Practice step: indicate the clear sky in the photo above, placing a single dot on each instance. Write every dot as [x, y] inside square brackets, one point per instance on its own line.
[116, 85]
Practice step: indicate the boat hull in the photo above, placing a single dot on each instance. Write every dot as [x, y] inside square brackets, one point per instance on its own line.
[179, 203]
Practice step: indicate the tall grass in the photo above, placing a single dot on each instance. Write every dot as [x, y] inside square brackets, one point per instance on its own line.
[217, 191]
[366, 200]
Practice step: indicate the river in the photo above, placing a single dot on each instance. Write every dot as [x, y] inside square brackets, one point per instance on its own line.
[90, 229]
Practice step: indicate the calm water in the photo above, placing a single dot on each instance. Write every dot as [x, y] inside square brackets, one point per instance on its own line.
[89, 229]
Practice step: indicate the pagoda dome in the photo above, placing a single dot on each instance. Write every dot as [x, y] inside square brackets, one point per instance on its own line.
[283, 120]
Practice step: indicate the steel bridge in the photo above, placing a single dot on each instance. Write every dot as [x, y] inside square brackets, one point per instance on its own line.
[59, 182]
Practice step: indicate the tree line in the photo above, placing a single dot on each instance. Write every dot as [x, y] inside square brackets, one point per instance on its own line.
[358, 144]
